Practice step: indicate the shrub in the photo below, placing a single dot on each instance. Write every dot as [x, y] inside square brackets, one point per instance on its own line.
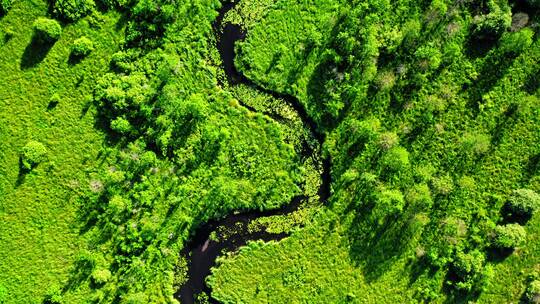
[396, 159]
[532, 294]
[388, 140]
[523, 202]
[73, 9]
[476, 143]
[442, 185]
[5, 5]
[47, 30]
[391, 201]
[428, 57]
[82, 47]
[101, 275]
[509, 236]
[420, 196]
[32, 154]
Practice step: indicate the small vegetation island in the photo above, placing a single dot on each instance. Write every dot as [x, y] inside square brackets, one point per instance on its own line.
[269, 151]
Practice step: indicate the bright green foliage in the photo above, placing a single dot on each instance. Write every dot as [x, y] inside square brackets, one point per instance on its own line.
[443, 89]
[517, 42]
[509, 236]
[101, 276]
[477, 144]
[3, 294]
[396, 159]
[524, 202]
[47, 30]
[73, 9]
[532, 293]
[82, 47]
[40, 209]
[429, 112]
[32, 154]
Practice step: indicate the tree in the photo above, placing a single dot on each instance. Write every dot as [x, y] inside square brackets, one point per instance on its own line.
[32, 154]
[469, 269]
[388, 201]
[493, 24]
[396, 159]
[516, 42]
[532, 294]
[509, 236]
[47, 30]
[523, 202]
[73, 9]
[82, 47]
[477, 143]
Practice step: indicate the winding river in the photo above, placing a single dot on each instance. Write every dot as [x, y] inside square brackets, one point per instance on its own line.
[203, 249]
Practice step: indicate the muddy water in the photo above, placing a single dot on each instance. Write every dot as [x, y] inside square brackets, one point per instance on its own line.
[203, 250]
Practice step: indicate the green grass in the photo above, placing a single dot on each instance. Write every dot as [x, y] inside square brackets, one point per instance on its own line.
[39, 234]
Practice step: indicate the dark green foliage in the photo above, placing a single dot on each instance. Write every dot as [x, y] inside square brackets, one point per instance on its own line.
[509, 236]
[5, 5]
[73, 9]
[82, 47]
[47, 30]
[32, 154]
[533, 2]
[523, 202]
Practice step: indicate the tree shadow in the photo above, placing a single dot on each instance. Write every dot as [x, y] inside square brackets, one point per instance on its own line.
[34, 53]
[21, 176]
[512, 217]
[532, 167]
[498, 255]
[74, 59]
[375, 244]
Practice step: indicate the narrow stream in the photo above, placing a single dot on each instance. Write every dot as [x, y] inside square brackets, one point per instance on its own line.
[203, 250]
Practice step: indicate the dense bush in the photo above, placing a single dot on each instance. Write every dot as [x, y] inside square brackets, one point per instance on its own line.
[32, 154]
[73, 9]
[523, 202]
[82, 47]
[509, 236]
[47, 30]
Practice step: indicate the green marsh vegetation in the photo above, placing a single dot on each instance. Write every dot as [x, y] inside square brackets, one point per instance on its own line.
[122, 137]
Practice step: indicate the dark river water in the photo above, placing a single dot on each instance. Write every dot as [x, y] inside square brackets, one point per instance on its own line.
[202, 251]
